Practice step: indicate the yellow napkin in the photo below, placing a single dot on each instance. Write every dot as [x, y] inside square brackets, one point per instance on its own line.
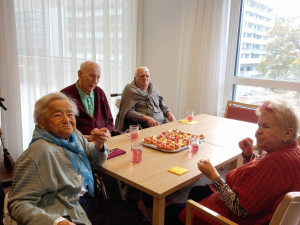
[177, 170]
[187, 122]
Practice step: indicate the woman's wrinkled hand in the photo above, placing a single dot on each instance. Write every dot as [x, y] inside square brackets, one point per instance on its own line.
[207, 169]
[89, 138]
[246, 145]
[100, 136]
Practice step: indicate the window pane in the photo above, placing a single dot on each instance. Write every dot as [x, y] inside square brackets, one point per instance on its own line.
[257, 95]
[270, 40]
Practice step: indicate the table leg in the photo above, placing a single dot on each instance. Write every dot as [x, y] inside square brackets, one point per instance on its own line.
[158, 211]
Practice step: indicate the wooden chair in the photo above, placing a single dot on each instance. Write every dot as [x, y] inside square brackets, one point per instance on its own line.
[241, 111]
[118, 100]
[7, 220]
[287, 212]
[107, 187]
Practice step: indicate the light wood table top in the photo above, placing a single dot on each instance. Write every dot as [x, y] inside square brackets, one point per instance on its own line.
[152, 176]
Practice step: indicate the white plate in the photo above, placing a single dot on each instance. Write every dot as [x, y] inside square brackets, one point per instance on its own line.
[164, 150]
[169, 151]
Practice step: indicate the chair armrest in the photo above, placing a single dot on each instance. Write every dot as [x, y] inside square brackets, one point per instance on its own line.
[7, 220]
[191, 205]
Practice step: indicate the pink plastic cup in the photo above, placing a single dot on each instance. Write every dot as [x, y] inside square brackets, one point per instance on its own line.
[136, 152]
[194, 144]
[134, 132]
[189, 115]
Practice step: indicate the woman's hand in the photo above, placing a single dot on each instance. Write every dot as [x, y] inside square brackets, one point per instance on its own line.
[246, 145]
[89, 137]
[205, 167]
[100, 136]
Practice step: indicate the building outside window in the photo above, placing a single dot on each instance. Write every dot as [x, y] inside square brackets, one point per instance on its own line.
[268, 54]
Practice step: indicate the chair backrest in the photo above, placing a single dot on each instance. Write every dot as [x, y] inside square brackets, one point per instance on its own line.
[288, 211]
[241, 111]
[118, 102]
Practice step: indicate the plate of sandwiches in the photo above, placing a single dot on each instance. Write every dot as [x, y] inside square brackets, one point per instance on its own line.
[170, 141]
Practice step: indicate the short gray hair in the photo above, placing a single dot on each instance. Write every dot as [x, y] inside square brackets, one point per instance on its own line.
[41, 105]
[141, 68]
[285, 115]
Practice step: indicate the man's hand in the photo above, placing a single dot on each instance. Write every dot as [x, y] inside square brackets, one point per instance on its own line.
[152, 122]
[170, 116]
[205, 167]
[100, 136]
[246, 145]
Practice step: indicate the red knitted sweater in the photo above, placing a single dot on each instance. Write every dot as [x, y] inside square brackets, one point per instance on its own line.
[260, 185]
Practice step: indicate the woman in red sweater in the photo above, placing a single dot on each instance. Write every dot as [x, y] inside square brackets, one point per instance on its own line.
[252, 192]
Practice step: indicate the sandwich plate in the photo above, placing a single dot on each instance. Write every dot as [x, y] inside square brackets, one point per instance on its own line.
[170, 140]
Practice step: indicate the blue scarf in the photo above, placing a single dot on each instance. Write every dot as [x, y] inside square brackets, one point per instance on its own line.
[74, 153]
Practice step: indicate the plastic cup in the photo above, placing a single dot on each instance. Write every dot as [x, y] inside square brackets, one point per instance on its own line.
[136, 152]
[133, 132]
[194, 144]
[189, 115]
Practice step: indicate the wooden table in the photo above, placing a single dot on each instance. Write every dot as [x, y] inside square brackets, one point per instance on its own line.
[152, 176]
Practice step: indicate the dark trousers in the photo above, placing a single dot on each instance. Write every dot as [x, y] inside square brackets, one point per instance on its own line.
[109, 212]
[197, 193]
[134, 195]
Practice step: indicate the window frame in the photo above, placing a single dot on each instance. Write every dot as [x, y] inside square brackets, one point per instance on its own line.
[255, 82]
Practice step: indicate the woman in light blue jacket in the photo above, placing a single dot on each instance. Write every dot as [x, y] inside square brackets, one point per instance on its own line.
[53, 181]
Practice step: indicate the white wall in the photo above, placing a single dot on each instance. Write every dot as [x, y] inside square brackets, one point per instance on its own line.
[160, 46]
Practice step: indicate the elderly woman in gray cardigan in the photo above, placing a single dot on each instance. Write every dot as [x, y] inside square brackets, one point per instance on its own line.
[53, 182]
[142, 103]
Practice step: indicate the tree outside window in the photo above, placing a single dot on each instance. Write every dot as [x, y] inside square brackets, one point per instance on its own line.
[268, 59]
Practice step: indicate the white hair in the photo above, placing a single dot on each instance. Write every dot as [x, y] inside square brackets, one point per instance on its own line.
[141, 69]
[41, 105]
[284, 114]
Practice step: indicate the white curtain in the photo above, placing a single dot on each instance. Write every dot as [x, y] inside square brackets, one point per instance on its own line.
[205, 31]
[11, 123]
[55, 37]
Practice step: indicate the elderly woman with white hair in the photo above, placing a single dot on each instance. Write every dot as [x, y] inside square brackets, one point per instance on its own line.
[252, 192]
[142, 103]
[53, 182]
